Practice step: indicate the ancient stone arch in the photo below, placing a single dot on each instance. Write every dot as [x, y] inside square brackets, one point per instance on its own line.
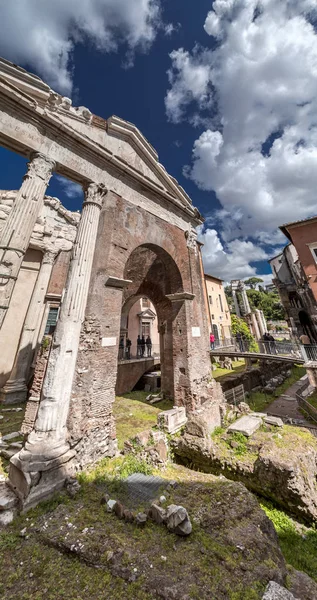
[136, 235]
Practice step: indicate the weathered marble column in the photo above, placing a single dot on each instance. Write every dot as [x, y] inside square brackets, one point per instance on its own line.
[15, 389]
[47, 448]
[16, 233]
[256, 329]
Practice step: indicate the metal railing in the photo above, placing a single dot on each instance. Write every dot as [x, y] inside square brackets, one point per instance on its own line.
[139, 352]
[235, 395]
[277, 348]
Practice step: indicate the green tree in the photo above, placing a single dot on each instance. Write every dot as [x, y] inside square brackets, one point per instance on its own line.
[253, 282]
[269, 302]
[239, 326]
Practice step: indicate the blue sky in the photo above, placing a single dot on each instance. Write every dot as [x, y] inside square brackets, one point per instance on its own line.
[225, 92]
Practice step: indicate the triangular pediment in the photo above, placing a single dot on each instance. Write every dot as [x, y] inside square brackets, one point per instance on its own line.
[147, 314]
[116, 139]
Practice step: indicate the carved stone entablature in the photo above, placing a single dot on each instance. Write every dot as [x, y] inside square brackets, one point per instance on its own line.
[57, 103]
[191, 237]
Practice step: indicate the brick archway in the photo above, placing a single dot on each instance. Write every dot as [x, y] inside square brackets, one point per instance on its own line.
[152, 272]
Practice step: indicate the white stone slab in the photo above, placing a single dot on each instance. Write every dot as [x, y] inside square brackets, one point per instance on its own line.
[273, 421]
[258, 414]
[246, 425]
[172, 420]
[196, 331]
[110, 341]
[11, 436]
[274, 591]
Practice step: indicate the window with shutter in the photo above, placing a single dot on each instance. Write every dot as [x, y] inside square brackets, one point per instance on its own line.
[51, 321]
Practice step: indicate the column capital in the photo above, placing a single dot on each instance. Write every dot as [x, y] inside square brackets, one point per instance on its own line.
[40, 166]
[49, 257]
[95, 193]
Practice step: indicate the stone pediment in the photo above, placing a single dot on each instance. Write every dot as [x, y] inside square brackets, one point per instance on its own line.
[118, 140]
[147, 314]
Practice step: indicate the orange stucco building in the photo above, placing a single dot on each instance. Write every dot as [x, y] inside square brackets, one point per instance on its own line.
[295, 276]
[303, 235]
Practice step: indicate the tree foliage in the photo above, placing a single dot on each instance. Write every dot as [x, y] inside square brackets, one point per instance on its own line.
[253, 282]
[269, 302]
[239, 326]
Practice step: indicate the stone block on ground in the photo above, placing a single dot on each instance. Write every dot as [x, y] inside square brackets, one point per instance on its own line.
[274, 591]
[8, 499]
[110, 505]
[246, 425]
[273, 421]
[141, 519]
[177, 520]
[143, 437]
[8, 453]
[11, 436]
[6, 517]
[172, 420]
[258, 414]
[162, 450]
[157, 514]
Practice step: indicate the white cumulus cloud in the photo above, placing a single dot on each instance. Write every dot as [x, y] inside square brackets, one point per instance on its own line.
[42, 33]
[256, 86]
[232, 260]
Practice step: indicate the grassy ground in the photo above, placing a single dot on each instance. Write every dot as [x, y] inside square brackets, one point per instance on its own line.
[312, 399]
[258, 401]
[11, 422]
[298, 543]
[73, 549]
[133, 414]
[238, 366]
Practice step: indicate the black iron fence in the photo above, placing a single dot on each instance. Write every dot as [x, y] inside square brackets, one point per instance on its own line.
[139, 352]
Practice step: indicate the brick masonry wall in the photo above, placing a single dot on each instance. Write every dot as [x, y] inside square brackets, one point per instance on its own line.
[136, 245]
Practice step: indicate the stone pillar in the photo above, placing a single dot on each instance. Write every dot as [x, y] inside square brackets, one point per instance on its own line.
[235, 300]
[15, 389]
[16, 233]
[47, 449]
[245, 300]
[255, 326]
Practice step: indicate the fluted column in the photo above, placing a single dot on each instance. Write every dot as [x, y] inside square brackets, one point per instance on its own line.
[15, 389]
[50, 425]
[16, 233]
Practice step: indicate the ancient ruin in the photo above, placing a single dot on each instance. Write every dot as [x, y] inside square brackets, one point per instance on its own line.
[136, 237]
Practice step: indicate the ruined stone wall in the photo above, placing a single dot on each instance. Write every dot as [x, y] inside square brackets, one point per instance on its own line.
[257, 377]
[130, 372]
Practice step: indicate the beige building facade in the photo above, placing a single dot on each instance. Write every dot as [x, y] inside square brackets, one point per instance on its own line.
[219, 314]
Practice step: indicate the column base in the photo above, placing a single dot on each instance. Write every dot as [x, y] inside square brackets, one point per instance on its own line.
[14, 392]
[35, 478]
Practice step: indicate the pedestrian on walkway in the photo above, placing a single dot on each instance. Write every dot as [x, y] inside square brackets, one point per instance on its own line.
[142, 345]
[212, 341]
[149, 345]
[138, 347]
[121, 348]
[128, 348]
